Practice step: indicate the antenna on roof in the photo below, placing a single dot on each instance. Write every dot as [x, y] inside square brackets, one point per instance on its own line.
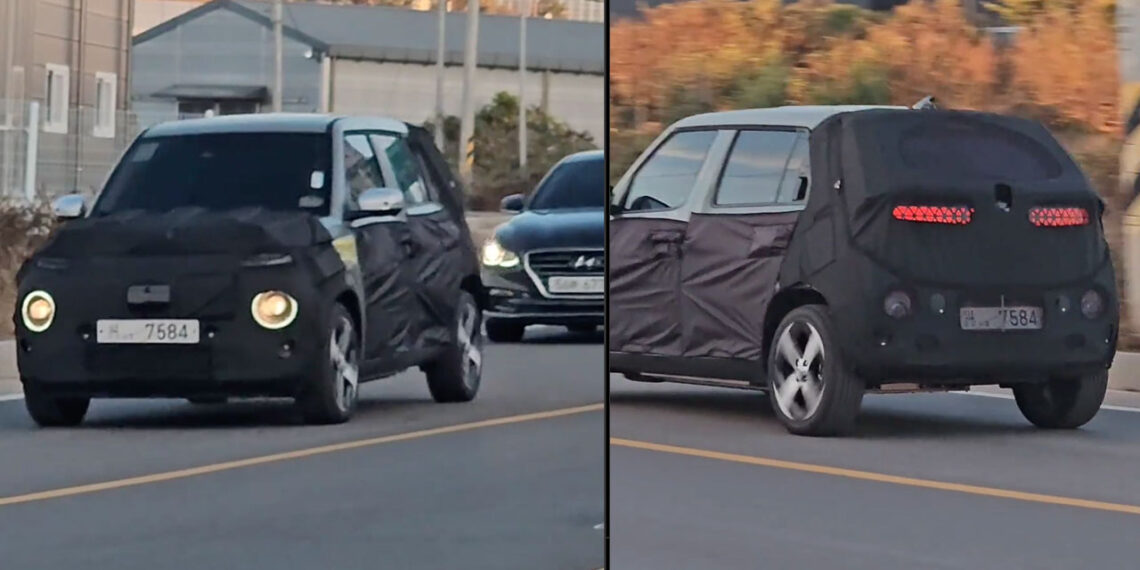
[928, 103]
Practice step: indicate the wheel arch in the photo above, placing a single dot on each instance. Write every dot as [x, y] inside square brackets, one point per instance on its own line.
[351, 301]
[473, 284]
[784, 302]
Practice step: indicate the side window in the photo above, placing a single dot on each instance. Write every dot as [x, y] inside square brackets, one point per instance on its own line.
[665, 180]
[361, 171]
[794, 189]
[404, 164]
[754, 172]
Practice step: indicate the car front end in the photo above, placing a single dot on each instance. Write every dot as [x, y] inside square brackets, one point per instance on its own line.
[546, 265]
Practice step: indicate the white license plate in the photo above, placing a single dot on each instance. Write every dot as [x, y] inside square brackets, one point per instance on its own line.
[577, 285]
[1001, 318]
[147, 331]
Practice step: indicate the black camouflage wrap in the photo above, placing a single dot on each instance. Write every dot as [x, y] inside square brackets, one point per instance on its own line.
[848, 247]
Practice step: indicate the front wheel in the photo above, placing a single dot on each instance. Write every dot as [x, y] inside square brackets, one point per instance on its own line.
[813, 391]
[331, 397]
[1063, 403]
[50, 411]
[455, 376]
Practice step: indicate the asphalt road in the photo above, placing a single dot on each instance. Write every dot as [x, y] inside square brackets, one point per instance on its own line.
[707, 478]
[514, 491]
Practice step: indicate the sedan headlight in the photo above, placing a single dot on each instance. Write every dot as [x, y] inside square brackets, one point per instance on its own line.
[274, 309]
[38, 311]
[495, 255]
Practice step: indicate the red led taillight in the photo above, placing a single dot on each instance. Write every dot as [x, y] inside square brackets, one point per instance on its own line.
[955, 215]
[1053, 217]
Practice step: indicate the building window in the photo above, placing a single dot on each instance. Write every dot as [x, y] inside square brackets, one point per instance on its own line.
[106, 104]
[57, 99]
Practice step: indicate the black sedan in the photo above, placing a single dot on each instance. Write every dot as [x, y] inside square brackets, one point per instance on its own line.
[546, 266]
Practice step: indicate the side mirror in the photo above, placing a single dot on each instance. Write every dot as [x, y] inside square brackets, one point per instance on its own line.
[69, 207]
[512, 204]
[381, 202]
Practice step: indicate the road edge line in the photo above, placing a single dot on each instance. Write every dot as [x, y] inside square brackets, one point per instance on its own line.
[978, 490]
[290, 455]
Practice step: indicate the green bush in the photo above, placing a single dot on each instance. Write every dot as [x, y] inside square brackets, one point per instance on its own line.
[495, 167]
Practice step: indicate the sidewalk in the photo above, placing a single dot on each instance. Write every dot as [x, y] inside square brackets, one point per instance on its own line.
[1125, 373]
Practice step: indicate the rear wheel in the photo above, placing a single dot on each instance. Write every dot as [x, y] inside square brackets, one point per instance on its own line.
[51, 411]
[455, 376]
[1063, 403]
[332, 397]
[813, 391]
[504, 331]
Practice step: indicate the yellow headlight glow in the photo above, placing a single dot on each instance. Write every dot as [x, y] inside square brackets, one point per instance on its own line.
[274, 309]
[495, 255]
[38, 311]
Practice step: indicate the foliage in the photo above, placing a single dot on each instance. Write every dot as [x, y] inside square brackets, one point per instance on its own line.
[23, 228]
[495, 165]
[1065, 67]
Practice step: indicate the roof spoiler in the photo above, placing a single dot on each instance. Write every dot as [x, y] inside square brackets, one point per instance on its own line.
[928, 103]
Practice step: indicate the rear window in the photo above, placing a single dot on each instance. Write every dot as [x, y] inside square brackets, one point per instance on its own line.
[972, 149]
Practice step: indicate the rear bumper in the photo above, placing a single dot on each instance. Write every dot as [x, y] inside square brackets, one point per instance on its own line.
[931, 348]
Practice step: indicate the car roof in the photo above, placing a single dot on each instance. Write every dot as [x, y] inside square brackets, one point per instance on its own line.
[585, 155]
[801, 116]
[272, 123]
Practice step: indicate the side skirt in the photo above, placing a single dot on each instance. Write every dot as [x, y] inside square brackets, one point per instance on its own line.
[719, 372]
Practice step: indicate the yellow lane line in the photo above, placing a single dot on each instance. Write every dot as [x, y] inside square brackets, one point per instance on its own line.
[882, 477]
[290, 455]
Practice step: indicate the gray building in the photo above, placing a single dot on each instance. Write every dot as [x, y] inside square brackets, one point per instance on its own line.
[70, 58]
[219, 58]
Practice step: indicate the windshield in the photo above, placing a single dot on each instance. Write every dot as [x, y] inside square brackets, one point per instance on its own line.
[572, 184]
[275, 171]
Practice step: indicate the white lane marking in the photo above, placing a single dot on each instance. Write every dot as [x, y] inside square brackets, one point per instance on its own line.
[11, 397]
[600, 526]
[1010, 397]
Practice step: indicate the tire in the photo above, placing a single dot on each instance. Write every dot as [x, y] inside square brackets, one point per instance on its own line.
[1063, 403]
[505, 331]
[50, 411]
[207, 401]
[814, 394]
[456, 375]
[332, 396]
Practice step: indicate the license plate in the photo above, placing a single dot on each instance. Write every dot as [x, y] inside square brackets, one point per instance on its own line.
[1001, 318]
[147, 331]
[577, 285]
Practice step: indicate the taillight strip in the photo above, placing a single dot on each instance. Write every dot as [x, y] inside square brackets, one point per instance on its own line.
[953, 215]
[1058, 217]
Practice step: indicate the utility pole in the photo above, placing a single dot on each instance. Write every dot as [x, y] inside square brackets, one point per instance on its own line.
[467, 125]
[7, 185]
[524, 12]
[440, 70]
[278, 65]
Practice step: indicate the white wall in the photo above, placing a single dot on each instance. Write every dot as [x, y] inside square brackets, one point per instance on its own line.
[407, 92]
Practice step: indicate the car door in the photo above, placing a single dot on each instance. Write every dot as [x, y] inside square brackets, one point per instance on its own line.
[735, 242]
[646, 234]
[383, 247]
[435, 239]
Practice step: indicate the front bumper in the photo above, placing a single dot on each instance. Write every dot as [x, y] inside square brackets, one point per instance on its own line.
[511, 295]
[234, 361]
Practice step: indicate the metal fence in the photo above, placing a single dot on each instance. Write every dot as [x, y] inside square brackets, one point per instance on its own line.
[41, 158]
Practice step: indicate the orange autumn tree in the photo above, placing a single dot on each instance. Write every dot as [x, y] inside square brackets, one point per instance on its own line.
[1064, 66]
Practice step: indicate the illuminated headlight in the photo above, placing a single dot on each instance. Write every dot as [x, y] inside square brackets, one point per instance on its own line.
[274, 309]
[38, 311]
[495, 255]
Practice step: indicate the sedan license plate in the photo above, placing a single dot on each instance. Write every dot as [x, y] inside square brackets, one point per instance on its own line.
[147, 331]
[577, 285]
[1001, 318]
